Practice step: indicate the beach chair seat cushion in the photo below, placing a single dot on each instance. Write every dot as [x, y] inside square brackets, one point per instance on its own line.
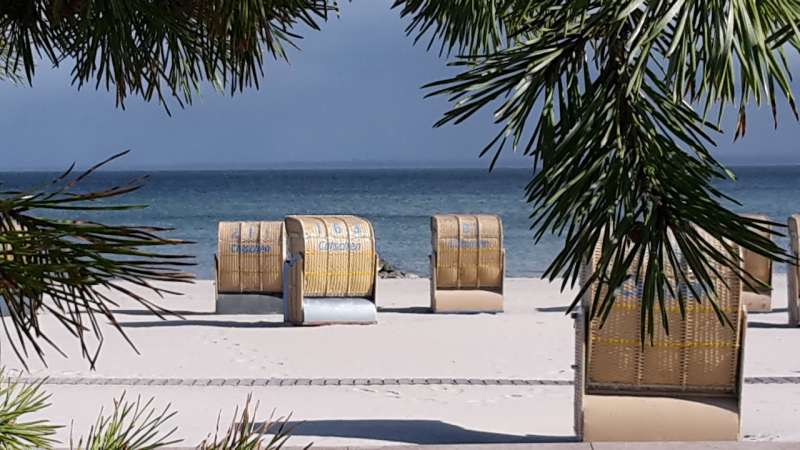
[654, 418]
[471, 300]
[757, 302]
[339, 310]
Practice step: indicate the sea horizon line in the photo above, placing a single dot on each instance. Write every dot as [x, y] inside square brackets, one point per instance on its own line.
[324, 167]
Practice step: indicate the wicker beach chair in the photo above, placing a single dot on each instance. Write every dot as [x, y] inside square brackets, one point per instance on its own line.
[685, 387]
[331, 272]
[467, 263]
[30, 307]
[758, 298]
[249, 267]
[793, 271]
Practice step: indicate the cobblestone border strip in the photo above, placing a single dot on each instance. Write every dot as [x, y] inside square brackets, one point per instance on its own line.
[273, 382]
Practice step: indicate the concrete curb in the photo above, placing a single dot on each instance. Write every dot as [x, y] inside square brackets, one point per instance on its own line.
[287, 382]
[571, 446]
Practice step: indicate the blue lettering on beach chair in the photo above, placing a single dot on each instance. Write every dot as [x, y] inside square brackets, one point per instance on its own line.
[339, 246]
[251, 248]
[468, 243]
[635, 290]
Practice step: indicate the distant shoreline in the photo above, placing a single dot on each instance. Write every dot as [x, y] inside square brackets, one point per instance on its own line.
[339, 167]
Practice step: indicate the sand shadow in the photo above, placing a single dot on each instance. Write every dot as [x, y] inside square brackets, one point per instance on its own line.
[406, 310]
[204, 323]
[170, 313]
[769, 325]
[548, 309]
[419, 432]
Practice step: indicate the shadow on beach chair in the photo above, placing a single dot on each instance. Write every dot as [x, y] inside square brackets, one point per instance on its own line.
[793, 271]
[330, 275]
[685, 387]
[249, 267]
[467, 263]
[758, 298]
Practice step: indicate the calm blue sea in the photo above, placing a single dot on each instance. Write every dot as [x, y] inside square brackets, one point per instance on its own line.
[398, 202]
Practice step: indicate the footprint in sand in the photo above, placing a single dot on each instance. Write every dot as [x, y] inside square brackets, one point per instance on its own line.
[447, 389]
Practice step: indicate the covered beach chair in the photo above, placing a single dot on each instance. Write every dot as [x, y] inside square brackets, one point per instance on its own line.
[467, 263]
[330, 275]
[685, 387]
[249, 267]
[793, 271]
[758, 298]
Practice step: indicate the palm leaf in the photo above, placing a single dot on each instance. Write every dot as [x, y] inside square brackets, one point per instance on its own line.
[611, 102]
[76, 270]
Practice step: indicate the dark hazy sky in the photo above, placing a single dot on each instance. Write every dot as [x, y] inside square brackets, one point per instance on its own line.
[351, 95]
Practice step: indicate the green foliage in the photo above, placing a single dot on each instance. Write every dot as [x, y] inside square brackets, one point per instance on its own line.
[134, 425]
[154, 49]
[612, 100]
[459, 24]
[245, 434]
[71, 268]
[18, 400]
[131, 426]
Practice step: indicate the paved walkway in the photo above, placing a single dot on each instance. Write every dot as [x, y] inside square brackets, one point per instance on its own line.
[415, 378]
[605, 446]
[213, 382]
[579, 446]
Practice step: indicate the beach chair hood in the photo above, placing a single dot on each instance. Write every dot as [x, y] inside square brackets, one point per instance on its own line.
[250, 257]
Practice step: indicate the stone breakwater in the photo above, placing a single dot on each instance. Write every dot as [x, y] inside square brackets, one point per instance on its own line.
[387, 270]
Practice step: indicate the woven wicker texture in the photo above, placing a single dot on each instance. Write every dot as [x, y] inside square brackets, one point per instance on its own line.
[250, 257]
[468, 250]
[757, 265]
[6, 249]
[339, 254]
[793, 272]
[699, 355]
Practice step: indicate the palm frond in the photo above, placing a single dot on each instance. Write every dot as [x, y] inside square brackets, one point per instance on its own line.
[73, 269]
[460, 25]
[611, 101]
[155, 50]
[17, 401]
[244, 433]
[131, 425]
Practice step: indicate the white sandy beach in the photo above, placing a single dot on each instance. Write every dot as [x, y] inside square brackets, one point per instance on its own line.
[533, 339]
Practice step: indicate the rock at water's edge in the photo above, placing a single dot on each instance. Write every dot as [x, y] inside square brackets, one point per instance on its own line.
[387, 270]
